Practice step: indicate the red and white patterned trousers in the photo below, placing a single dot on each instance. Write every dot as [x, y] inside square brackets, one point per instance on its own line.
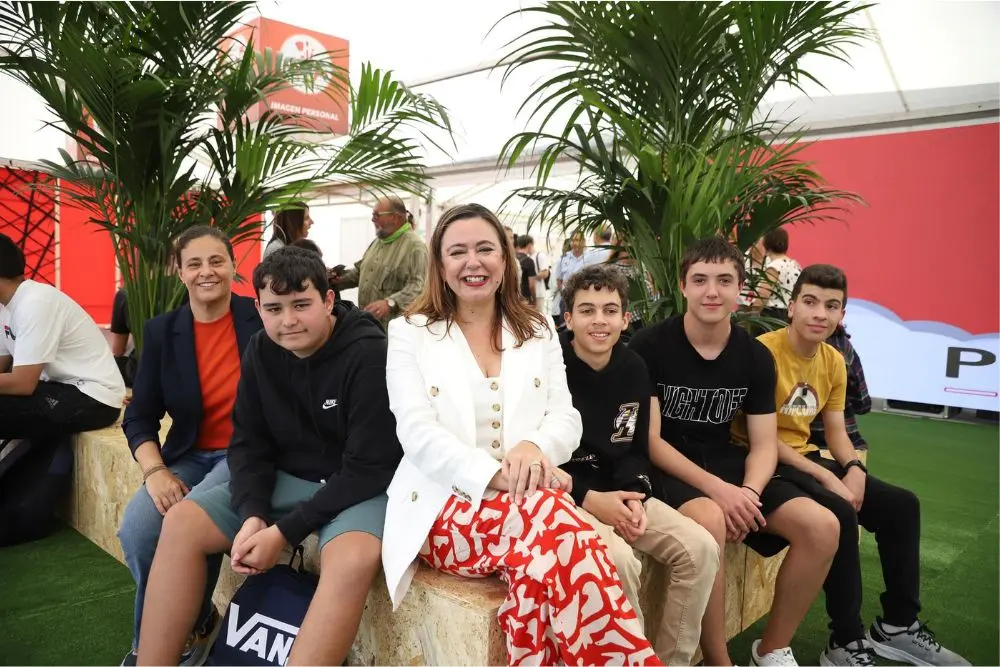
[565, 602]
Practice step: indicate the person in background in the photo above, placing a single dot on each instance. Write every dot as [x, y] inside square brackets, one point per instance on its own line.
[529, 274]
[611, 472]
[57, 373]
[812, 381]
[313, 449]
[391, 273]
[858, 402]
[782, 272]
[512, 239]
[754, 260]
[511, 236]
[189, 370]
[478, 387]
[121, 336]
[571, 262]
[602, 250]
[57, 377]
[290, 225]
[542, 294]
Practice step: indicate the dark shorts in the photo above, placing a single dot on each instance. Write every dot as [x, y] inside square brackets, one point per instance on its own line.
[728, 462]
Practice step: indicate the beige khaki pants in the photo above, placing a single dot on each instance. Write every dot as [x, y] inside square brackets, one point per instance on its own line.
[691, 557]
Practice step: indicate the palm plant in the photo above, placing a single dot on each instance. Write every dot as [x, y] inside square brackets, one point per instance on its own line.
[139, 84]
[657, 104]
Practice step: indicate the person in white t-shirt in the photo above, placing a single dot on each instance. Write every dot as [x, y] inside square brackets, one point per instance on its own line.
[542, 292]
[57, 373]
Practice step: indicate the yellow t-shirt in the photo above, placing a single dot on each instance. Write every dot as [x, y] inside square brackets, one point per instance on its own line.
[805, 387]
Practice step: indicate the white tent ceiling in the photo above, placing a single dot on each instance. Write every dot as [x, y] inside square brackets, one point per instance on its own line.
[921, 45]
[950, 48]
[931, 61]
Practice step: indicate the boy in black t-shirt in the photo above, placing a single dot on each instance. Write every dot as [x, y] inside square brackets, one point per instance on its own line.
[610, 471]
[705, 371]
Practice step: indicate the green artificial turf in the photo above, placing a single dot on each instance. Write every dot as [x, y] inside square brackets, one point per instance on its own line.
[955, 470]
[64, 601]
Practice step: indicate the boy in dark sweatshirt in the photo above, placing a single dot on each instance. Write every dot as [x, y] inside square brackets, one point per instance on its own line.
[610, 470]
[314, 447]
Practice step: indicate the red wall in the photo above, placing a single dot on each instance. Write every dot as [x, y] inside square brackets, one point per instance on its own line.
[926, 246]
[247, 258]
[87, 261]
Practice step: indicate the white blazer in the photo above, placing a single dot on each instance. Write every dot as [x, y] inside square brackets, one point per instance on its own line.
[430, 395]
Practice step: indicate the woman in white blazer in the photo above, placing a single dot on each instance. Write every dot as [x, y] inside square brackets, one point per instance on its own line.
[477, 385]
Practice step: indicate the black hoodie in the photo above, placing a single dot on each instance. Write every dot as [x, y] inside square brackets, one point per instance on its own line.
[614, 403]
[324, 418]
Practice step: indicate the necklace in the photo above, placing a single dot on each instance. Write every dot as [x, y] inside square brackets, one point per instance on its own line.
[804, 395]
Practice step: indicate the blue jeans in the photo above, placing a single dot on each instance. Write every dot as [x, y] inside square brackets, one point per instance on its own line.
[140, 529]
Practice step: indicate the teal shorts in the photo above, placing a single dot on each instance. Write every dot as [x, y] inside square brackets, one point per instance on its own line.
[368, 516]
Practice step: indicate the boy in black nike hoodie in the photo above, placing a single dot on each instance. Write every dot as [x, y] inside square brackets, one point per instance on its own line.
[610, 471]
[313, 450]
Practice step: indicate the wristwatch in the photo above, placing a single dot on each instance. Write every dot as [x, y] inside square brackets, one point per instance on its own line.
[856, 463]
[391, 302]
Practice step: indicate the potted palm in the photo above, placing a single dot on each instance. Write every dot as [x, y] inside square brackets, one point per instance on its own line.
[155, 96]
[657, 103]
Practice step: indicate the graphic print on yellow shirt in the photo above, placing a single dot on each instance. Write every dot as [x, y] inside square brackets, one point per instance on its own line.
[805, 387]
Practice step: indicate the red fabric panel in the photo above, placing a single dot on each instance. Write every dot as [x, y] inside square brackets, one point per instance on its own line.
[87, 261]
[926, 245]
[28, 217]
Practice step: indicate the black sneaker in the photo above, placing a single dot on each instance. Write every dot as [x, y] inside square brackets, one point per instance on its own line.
[130, 659]
[851, 653]
[916, 645]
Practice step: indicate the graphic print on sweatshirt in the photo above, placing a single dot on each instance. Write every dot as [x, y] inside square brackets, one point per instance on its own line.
[624, 428]
[706, 406]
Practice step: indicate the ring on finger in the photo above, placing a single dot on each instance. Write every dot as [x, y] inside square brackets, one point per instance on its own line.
[534, 463]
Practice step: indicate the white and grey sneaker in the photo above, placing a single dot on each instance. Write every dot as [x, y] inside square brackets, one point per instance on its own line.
[916, 645]
[781, 657]
[851, 653]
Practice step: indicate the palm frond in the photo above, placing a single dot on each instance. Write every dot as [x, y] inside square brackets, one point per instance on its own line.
[656, 105]
[134, 84]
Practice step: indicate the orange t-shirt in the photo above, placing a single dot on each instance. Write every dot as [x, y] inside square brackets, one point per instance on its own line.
[218, 358]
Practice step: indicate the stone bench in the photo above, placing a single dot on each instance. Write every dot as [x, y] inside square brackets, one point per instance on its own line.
[443, 620]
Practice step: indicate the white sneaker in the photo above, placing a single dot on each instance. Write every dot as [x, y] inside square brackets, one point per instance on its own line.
[781, 657]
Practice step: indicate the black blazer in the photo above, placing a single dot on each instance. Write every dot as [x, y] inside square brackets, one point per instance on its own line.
[167, 379]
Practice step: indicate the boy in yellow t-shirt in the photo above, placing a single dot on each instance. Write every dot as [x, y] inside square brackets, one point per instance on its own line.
[812, 380]
[801, 384]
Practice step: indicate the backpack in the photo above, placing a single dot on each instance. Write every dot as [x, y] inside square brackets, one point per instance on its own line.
[264, 616]
[36, 477]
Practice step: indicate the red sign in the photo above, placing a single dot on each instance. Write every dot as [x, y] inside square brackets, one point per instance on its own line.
[318, 102]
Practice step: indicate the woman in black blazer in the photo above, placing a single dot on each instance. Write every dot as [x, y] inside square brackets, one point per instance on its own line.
[189, 369]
